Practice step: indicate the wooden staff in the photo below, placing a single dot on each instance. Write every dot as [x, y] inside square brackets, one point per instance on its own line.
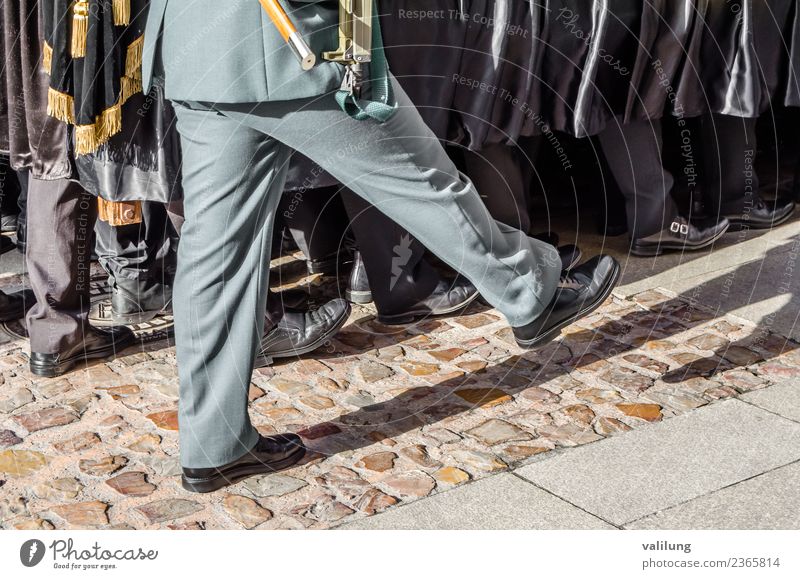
[289, 33]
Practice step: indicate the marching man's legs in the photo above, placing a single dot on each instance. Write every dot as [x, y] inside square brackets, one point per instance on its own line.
[235, 161]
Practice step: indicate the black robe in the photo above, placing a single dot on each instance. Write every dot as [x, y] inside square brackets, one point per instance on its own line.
[31, 139]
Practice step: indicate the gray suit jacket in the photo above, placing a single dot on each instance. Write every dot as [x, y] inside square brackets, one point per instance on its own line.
[228, 51]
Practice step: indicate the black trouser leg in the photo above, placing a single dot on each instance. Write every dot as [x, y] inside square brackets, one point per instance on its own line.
[731, 182]
[633, 152]
[398, 273]
[500, 180]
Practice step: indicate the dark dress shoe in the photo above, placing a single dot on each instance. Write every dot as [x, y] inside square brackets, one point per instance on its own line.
[95, 344]
[299, 333]
[13, 306]
[579, 293]
[447, 298]
[680, 235]
[358, 291]
[761, 215]
[6, 244]
[128, 308]
[570, 256]
[270, 454]
[8, 223]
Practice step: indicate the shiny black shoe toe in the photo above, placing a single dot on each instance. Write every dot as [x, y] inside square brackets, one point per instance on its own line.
[579, 293]
[95, 344]
[448, 297]
[270, 454]
[760, 215]
[680, 235]
[299, 333]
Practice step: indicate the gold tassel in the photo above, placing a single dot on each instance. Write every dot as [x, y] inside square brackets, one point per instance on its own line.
[80, 28]
[122, 12]
[60, 105]
[133, 58]
[47, 57]
[120, 212]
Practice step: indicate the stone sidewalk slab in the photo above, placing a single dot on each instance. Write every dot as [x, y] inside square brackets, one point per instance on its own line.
[633, 475]
[502, 501]
[768, 501]
[783, 399]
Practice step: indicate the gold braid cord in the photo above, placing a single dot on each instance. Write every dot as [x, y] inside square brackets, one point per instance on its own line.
[108, 123]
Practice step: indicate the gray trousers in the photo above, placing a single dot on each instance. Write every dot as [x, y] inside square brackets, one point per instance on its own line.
[235, 159]
[633, 152]
[61, 218]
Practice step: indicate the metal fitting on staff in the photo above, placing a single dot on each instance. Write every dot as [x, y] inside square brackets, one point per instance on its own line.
[289, 33]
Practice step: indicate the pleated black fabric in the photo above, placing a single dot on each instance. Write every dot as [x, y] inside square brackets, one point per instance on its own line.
[738, 57]
[424, 42]
[33, 141]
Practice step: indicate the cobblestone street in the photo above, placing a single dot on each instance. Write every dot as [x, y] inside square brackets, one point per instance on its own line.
[392, 416]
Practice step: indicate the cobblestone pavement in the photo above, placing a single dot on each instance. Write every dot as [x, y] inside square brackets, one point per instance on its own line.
[392, 415]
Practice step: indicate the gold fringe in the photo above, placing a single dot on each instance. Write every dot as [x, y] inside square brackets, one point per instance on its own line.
[119, 212]
[80, 28]
[47, 57]
[129, 87]
[89, 138]
[60, 105]
[122, 12]
[133, 58]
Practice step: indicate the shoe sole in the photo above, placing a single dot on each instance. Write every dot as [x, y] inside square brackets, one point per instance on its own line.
[358, 297]
[266, 360]
[660, 249]
[67, 365]
[221, 480]
[410, 317]
[585, 311]
[742, 224]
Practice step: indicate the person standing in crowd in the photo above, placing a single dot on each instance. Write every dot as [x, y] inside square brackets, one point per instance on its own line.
[127, 158]
[239, 121]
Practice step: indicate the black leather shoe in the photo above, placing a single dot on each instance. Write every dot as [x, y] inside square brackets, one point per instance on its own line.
[579, 293]
[270, 454]
[8, 223]
[126, 308]
[13, 306]
[95, 344]
[447, 298]
[761, 215]
[299, 333]
[679, 236]
[570, 256]
[6, 244]
[358, 291]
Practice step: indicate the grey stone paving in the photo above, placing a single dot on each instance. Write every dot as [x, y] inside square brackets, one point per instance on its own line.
[783, 399]
[768, 501]
[627, 477]
[499, 502]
